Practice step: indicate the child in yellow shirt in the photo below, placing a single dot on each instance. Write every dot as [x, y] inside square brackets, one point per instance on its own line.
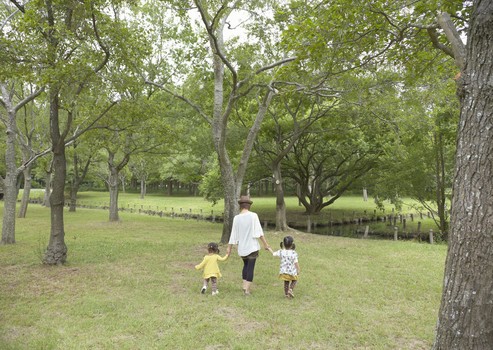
[211, 267]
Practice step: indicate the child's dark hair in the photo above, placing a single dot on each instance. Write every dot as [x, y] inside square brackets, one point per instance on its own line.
[213, 248]
[288, 243]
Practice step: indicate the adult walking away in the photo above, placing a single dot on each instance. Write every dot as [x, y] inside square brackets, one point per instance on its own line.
[246, 233]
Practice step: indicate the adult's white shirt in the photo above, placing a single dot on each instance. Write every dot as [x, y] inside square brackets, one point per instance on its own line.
[245, 233]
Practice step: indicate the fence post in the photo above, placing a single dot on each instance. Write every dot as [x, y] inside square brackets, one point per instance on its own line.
[431, 236]
[308, 224]
[367, 228]
[395, 233]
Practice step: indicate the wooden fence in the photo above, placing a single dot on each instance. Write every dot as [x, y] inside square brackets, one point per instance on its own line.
[396, 224]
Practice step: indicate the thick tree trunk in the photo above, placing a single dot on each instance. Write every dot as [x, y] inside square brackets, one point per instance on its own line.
[10, 181]
[231, 196]
[12, 171]
[466, 311]
[26, 193]
[56, 252]
[10, 200]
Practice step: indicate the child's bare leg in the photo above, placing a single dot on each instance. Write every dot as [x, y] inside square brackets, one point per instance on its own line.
[286, 287]
[291, 287]
[204, 286]
[293, 284]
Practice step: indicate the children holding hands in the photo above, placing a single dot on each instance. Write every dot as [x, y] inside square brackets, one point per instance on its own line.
[289, 268]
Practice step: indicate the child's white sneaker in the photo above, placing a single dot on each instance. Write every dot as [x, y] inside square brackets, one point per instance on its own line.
[215, 293]
[204, 288]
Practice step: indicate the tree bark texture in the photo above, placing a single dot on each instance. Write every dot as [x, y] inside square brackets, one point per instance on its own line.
[27, 191]
[113, 186]
[10, 181]
[466, 311]
[47, 192]
[281, 222]
[56, 252]
[143, 188]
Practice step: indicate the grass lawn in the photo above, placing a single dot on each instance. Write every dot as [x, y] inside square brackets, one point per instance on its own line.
[132, 285]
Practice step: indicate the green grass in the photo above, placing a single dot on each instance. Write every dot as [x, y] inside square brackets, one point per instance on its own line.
[132, 285]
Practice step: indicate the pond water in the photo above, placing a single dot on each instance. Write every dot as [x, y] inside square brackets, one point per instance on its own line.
[375, 231]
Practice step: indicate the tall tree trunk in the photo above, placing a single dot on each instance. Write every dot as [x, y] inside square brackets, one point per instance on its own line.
[56, 252]
[78, 177]
[47, 192]
[10, 181]
[26, 193]
[231, 196]
[12, 171]
[122, 180]
[113, 186]
[74, 183]
[73, 198]
[169, 187]
[466, 311]
[281, 223]
[142, 188]
[440, 175]
[10, 200]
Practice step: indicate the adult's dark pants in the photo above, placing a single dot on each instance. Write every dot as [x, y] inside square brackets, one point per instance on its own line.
[249, 266]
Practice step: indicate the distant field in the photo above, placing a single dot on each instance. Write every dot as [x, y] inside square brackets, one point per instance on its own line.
[345, 209]
[132, 285]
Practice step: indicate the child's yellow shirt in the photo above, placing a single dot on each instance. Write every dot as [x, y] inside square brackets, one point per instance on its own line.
[210, 265]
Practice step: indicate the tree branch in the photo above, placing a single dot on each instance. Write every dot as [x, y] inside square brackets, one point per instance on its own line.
[275, 64]
[90, 126]
[181, 97]
[8, 18]
[100, 42]
[28, 99]
[217, 44]
[19, 6]
[33, 159]
[458, 47]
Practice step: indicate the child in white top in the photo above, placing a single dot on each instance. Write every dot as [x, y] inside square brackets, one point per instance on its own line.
[289, 268]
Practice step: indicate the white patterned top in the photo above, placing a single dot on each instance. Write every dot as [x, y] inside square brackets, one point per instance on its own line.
[288, 259]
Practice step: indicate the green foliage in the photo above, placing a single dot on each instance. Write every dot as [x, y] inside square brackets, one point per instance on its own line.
[425, 143]
[211, 186]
